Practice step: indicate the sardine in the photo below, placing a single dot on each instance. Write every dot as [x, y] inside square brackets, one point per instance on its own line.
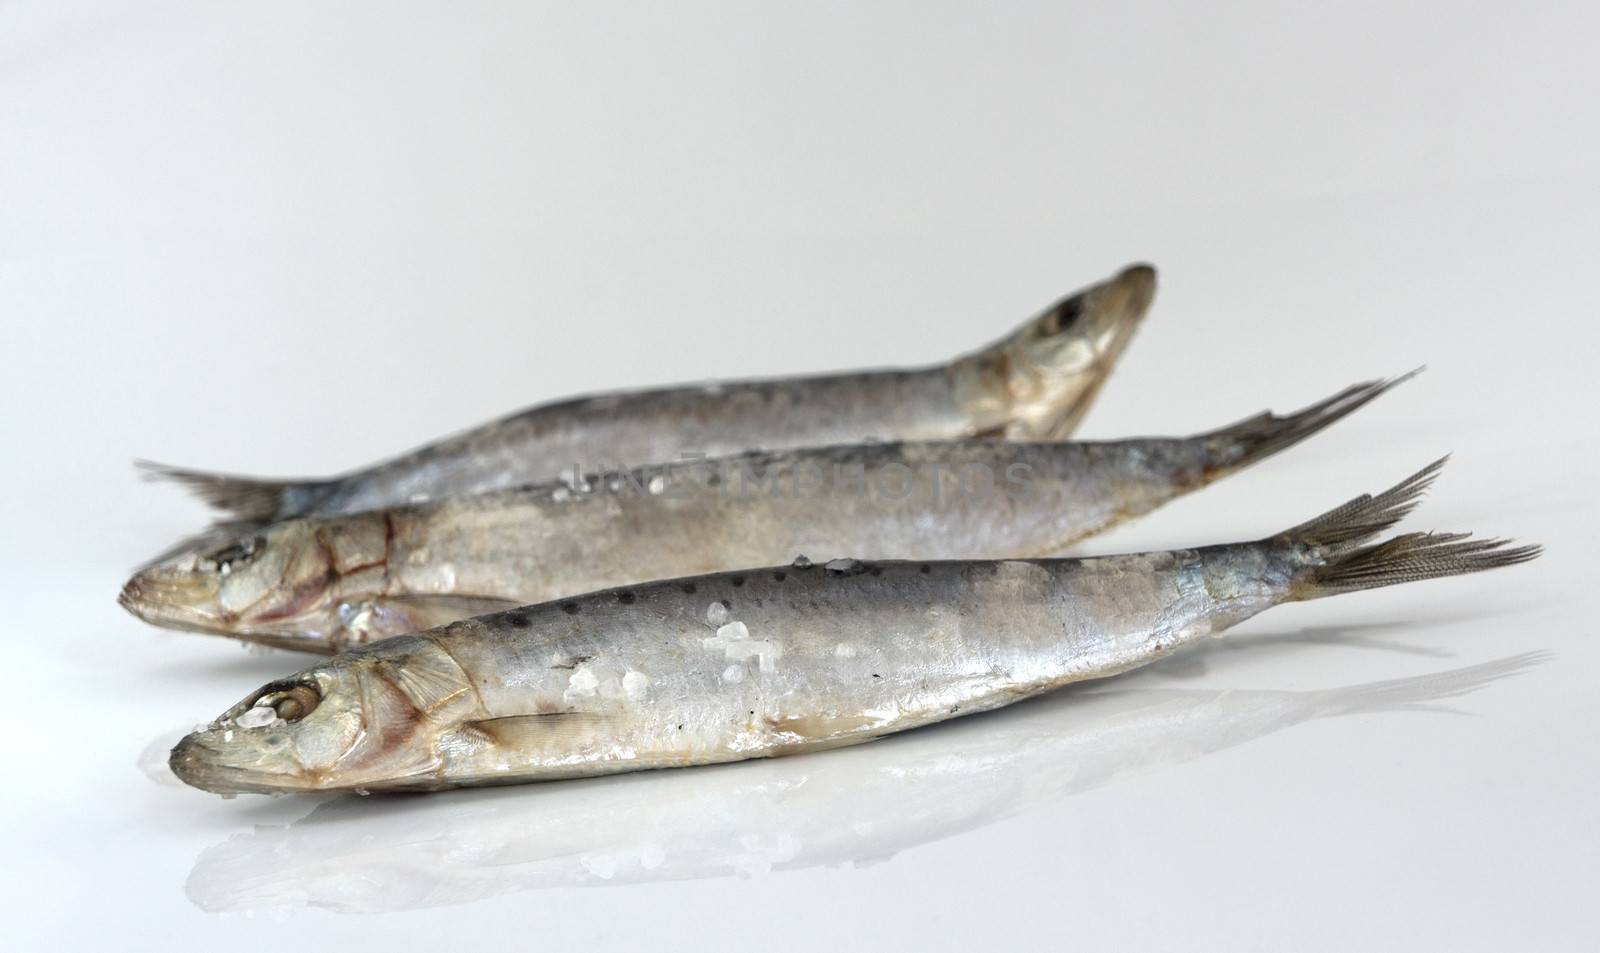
[779, 661]
[333, 583]
[1034, 384]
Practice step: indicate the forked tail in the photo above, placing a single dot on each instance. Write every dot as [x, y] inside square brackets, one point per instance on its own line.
[1339, 557]
[246, 499]
[1256, 438]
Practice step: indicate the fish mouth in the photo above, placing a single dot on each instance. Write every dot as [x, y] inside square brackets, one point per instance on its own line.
[202, 765]
[171, 601]
[199, 765]
[1135, 289]
[168, 602]
[1119, 308]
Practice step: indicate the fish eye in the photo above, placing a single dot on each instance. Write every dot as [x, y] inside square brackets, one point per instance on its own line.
[236, 554]
[291, 703]
[1062, 317]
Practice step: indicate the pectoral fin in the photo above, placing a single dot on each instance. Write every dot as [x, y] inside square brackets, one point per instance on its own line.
[544, 747]
[573, 731]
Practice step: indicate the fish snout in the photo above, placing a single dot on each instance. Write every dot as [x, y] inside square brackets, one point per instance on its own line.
[1137, 285]
[173, 599]
[203, 766]
[235, 760]
[1116, 308]
[188, 761]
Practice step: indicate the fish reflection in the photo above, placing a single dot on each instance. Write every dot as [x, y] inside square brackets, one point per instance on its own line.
[857, 805]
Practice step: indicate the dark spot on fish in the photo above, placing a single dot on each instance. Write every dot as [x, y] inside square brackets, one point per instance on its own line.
[1063, 316]
[779, 576]
[517, 620]
[714, 479]
[924, 569]
[626, 598]
[570, 608]
[876, 675]
[572, 661]
[726, 604]
[680, 727]
[736, 581]
[688, 588]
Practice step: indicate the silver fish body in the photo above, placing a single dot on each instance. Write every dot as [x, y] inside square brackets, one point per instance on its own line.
[1034, 384]
[333, 583]
[775, 661]
[858, 806]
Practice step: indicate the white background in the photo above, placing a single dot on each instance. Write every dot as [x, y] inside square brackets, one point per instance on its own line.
[290, 238]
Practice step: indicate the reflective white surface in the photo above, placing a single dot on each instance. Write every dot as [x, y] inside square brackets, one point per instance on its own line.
[284, 239]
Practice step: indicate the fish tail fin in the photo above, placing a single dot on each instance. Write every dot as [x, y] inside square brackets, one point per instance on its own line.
[1341, 558]
[242, 498]
[1256, 438]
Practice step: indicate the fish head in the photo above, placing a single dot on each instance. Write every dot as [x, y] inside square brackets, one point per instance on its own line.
[297, 584]
[1038, 383]
[368, 717]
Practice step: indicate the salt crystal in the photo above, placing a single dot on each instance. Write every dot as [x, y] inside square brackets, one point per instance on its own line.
[841, 565]
[583, 681]
[634, 684]
[657, 485]
[733, 673]
[716, 614]
[257, 717]
[733, 631]
[801, 562]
